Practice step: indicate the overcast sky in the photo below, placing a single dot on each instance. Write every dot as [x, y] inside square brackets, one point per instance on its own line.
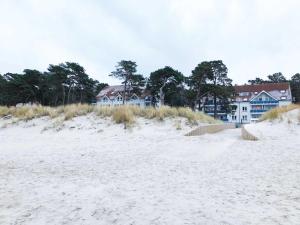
[252, 37]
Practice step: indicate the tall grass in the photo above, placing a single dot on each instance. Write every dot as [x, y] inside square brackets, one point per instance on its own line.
[74, 110]
[277, 112]
[123, 115]
[120, 114]
[4, 111]
[27, 112]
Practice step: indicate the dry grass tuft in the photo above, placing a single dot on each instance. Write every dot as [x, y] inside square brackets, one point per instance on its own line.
[27, 112]
[103, 111]
[71, 111]
[277, 112]
[4, 111]
[123, 115]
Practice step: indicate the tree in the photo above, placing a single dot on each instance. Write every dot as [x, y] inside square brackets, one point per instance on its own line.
[3, 91]
[164, 82]
[277, 78]
[58, 78]
[98, 87]
[257, 80]
[21, 87]
[62, 83]
[71, 84]
[32, 82]
[200, 75]
[295, 87]
[220, 86]
[137, 83]
[125, 70]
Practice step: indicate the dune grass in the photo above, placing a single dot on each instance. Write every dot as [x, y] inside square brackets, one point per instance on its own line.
[123, 115]
[119, 114]
[277, 112]
[27, 112]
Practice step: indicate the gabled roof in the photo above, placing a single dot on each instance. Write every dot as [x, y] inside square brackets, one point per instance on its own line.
[111, 91]
[263, 92]
[134, 95]
[261, 87]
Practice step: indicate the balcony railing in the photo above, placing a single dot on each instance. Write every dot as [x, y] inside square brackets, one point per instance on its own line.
[264, 102]
[258, 110]
[218, 111]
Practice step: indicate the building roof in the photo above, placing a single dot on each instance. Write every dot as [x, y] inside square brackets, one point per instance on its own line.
[113, 91]
[261, 87]
[247, 92]
[110, 91]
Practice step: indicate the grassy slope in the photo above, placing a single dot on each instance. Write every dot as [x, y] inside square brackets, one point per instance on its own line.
[277, 112]
[119, 114]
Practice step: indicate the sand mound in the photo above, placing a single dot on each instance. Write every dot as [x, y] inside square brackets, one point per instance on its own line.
[285, 126]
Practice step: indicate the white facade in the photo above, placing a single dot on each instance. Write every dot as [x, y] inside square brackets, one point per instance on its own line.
[241, 114]
[249, 105]
[117, 101]
[112, 96]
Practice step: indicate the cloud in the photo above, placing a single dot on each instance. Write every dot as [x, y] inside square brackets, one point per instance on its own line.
[253, 38]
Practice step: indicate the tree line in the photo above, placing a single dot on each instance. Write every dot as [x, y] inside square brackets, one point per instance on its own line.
[61, 84]
[172, 88]
[68, 83]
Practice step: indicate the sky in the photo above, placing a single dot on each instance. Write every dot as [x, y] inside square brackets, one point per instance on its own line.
[252, 37]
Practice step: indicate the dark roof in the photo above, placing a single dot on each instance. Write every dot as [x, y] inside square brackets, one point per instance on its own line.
[261, 87]
[114, 90]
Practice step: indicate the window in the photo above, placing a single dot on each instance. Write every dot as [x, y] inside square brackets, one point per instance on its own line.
[134, 97]
[243, 93]
[119, 98]
[255, 92]
[245, 99]
[255, 116]
[244, 108]
[105, 99]
[244, 117]
[282, 91]
[233, 117]
[283, 98]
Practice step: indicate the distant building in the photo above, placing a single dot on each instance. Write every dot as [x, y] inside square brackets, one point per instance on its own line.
[252, 101]
[113, 96]
[208, 107]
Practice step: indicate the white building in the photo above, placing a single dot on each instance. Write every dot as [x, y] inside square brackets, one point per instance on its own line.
[113, 96]
[251, 101]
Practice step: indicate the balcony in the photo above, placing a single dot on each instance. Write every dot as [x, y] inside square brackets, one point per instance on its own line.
[218, 111]
[259, 111]
[270, 102]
